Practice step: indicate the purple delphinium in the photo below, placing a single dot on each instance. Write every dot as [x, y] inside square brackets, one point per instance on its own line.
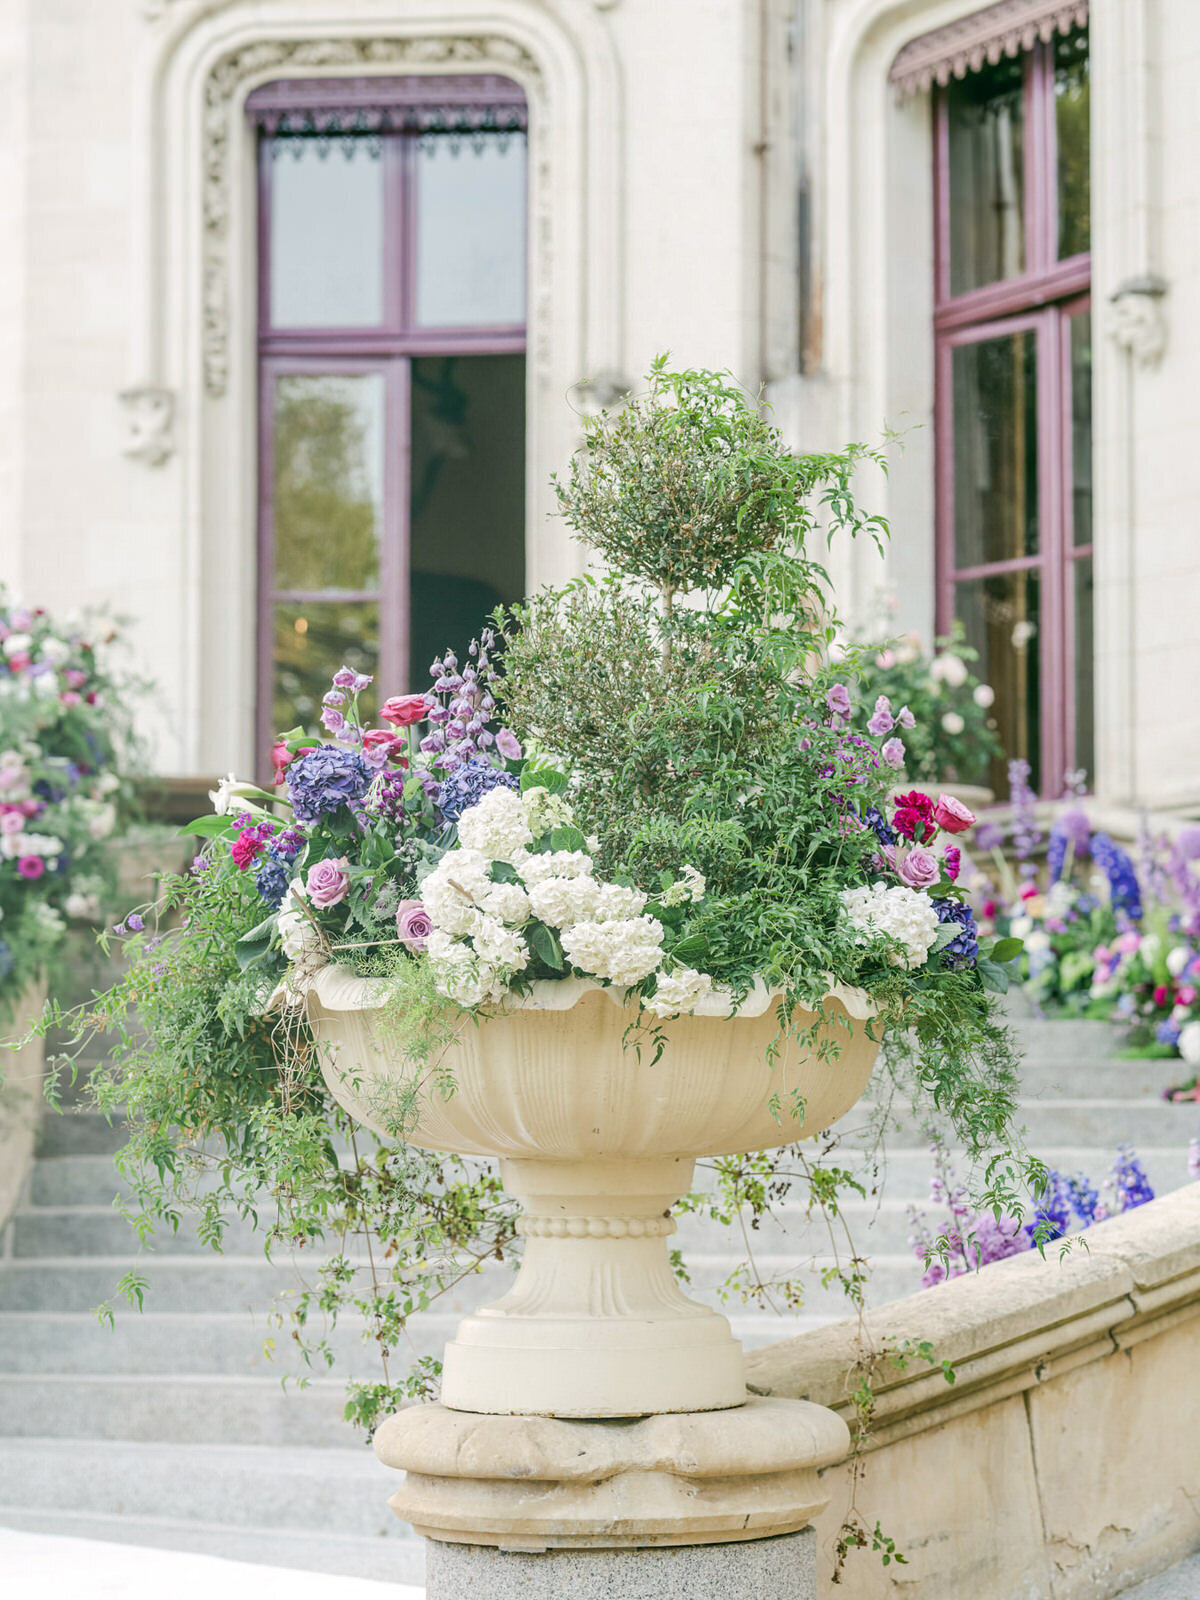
[464, 703]
[963, 949]
[1085, 1199]
[1072, 832]
[1185, 850]
[879, 826]
[1025, 836]
[1129, 1179]
[1052, 1215]
[1123, 888]
[325, 780]
[467, 785]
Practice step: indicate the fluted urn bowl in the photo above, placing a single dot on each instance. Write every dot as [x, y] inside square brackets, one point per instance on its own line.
[597, 1132]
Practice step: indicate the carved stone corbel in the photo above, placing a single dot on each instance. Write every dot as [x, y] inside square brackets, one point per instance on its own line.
[1136, 320]
[604, 392]
[149, 418]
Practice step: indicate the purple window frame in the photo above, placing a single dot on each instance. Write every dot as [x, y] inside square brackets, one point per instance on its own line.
[1041, 300]
[396, 111]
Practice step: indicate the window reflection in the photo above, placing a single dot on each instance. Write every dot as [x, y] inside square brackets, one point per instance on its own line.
[1072, 112]
[995, 449]
[326, 233]
[312, 639]
[987, 179]
[1001, 616]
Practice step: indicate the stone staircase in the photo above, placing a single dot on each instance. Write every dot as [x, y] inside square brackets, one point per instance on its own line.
[174, 1427]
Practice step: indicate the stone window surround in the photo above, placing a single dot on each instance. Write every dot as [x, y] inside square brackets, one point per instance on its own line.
[873, 238]
[194, 351]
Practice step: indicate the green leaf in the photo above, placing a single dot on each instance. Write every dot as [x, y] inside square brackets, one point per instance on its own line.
[694, 948]
[1006, 950]
[546, 946]
[993, 977]
[211, 828]
[566, 838]
[504, 872]
[535, 777]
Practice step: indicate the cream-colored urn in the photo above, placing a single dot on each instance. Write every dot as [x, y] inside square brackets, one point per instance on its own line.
[597, 1130]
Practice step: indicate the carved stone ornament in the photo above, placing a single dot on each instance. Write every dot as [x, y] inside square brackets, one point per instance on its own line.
[300, 56]
[1136, 320]
[605, 392]
[149, 417]
[1004, 29]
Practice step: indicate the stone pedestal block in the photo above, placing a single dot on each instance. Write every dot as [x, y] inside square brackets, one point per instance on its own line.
[783, 1568]
[544, 1483]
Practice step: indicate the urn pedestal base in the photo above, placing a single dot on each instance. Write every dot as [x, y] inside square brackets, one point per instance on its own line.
[596, 1324]
[710, 1502]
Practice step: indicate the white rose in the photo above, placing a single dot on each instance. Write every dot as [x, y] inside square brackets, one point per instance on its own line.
[953, 723]
[949, 669]
[984, 695]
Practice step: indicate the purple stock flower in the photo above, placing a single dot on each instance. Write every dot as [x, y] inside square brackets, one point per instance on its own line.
[1025, 836]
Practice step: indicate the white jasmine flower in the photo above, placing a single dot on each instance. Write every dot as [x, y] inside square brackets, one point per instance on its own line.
[500, 947]
[1178, 960]
[544, 810]
[454, 891]
[496, 826]
[559, 902]
[678, 991]
[900, 913]
[554, 864]
[623, 950]
[690, 885]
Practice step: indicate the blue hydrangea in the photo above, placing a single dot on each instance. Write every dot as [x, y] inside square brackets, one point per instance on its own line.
[325, 780]
[878, 824]
[1167, 1032]
[466, 786]
[273, 878]
[7, 959]
[963, 949]
[1118, 868]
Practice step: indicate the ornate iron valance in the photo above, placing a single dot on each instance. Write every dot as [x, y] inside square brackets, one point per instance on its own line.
[1004, 29]
[472, 106]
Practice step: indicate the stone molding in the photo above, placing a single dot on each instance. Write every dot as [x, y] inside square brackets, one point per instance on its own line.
[595, 1227]
[538, 1483]
[149, 420]
[967, 44]
[1136, 319]
[260, 60]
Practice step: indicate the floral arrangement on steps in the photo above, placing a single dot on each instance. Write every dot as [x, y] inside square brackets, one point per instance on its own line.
[66, 749]
[658, 795]
[971, 1239]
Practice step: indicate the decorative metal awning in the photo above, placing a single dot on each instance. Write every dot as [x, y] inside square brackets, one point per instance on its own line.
[1004, 29]
[333, 110]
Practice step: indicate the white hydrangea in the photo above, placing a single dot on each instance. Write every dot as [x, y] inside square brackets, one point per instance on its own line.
[17, 644]
[559, 902]
[458, 973]
[1189, 1043]
[901, 913]
[690, 885]
[45, 845]
[554, 864]
[1178, 960]
[496, 826]
[622, 950]
[454, 891]
[544, 810]
[297, 933]
[508, 902]
[500, 947]
[615, 900]
[678, 991]
[84, 907]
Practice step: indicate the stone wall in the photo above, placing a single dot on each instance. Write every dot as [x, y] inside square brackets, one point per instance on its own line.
[1063, 1463]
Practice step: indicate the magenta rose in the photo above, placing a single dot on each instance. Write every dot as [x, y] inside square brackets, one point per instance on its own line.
[951, 815]
[413, 925]
[328, 882]
[30, 866]
[918, 867]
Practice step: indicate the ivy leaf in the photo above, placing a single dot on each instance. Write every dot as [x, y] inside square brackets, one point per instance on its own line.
[545, 945]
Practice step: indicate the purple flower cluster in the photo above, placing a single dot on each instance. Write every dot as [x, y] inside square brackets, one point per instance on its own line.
[973, 1239]
[1130, 1180]
[879, 826]
[460, 719]
[467, 785]
[1118, 868]
[324, 780]
[963, 949]
[1025, 836]
[1071, 832]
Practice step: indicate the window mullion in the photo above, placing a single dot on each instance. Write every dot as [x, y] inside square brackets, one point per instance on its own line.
[394, 629]
[1056, 685]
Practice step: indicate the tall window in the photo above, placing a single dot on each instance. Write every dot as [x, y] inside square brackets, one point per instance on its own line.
[391, 377]
[1014, 349]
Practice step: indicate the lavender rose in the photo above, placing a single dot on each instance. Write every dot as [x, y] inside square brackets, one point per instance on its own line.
[328, 882]
[413, 925]
[918, 867]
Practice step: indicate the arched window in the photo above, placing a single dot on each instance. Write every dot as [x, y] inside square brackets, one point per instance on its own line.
[1013, 415]
[391, 377]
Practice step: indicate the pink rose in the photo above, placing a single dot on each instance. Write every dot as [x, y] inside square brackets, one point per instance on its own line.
[951, 815]
[12, 822]
[70, 698]
[918, 867]
[74, 679]
[413, 925]
[404, 709]
[328, 882]
[952, 859]
[386, 744]
[31, 866]
[1186, 994]
[1128, 943]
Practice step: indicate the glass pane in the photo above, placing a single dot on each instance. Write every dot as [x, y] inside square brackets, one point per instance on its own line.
[311, 641]
[995, 450]
[326, 233]
[1081, 425]
[987, 174]
[468, 498]
[1072, 110]
[1085, 702]
[328, 489]
[1001, 616]
[471, 231]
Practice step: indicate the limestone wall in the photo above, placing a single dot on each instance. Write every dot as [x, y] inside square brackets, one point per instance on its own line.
[1064, 1461]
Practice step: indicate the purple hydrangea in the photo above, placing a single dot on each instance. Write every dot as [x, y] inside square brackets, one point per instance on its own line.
[273, 878]
[963, 949]
[325, 780]
[467, 785]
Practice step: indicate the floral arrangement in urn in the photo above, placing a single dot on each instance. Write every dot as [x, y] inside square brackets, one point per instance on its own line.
[65, 750]
[643, 815]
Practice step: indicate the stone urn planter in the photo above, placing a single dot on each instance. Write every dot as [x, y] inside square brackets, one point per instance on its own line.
[596, 1138]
